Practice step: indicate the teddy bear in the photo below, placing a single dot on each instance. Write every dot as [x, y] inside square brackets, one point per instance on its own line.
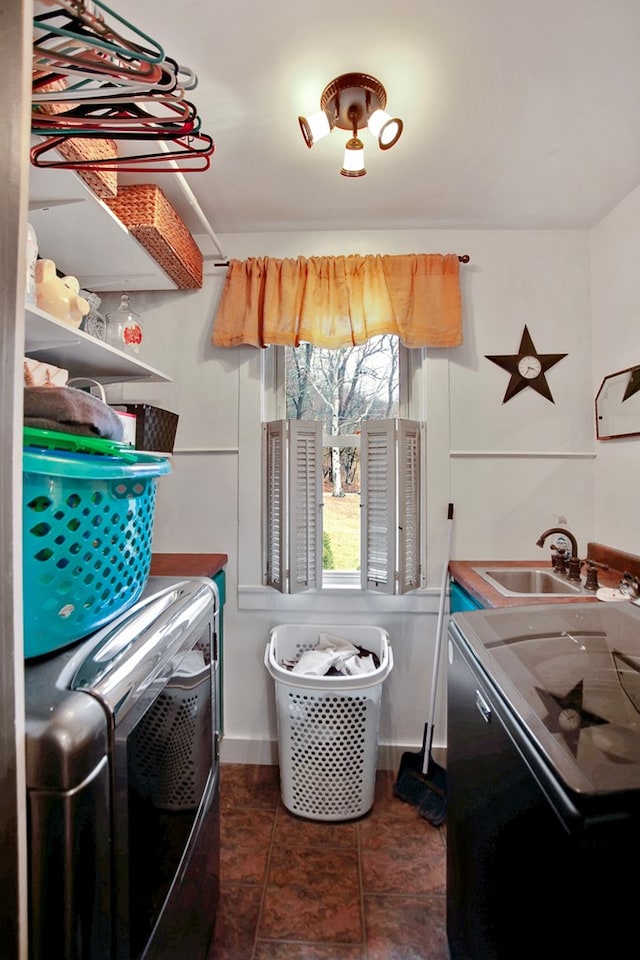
[59, 296]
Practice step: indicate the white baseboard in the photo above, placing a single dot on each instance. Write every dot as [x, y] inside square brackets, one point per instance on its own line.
[237, 750]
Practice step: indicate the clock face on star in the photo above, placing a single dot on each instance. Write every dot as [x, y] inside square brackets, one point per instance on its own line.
[529, 367]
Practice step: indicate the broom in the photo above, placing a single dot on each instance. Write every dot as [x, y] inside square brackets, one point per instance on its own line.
[421, 781]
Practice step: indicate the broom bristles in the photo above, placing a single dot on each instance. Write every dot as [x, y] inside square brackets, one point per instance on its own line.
[424, 793]
[433, 807]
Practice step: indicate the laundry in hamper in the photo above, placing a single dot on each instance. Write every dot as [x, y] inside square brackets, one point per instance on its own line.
[335, 655]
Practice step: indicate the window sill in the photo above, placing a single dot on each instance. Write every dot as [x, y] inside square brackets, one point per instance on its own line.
[338, 600]
[341, 580]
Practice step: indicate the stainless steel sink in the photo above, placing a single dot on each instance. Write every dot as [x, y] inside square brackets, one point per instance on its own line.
[528, 582]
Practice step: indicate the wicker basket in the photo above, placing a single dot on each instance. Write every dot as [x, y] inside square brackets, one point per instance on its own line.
[150, 218]
[155, 428]
[50, 107]
[104, 183]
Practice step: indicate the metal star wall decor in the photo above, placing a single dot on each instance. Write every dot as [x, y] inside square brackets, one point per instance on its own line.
[527, 368]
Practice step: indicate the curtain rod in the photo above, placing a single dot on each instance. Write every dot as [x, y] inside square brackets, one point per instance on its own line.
[462, 257]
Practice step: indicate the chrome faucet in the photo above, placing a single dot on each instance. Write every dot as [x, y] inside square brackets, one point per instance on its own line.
[574, 561]
[565, 533]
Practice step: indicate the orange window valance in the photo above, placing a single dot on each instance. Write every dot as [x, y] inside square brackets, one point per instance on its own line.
[341, 301]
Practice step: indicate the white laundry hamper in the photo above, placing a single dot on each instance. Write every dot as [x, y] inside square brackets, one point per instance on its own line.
[327, 725]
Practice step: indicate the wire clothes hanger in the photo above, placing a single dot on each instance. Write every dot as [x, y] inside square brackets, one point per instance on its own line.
[91, 85]
[81, 82]
[95, 118]
[89, 61]
[82, 22]
[114, 85]
[169, 161]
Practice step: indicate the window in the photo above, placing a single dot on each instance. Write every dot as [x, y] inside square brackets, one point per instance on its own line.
[343, 471]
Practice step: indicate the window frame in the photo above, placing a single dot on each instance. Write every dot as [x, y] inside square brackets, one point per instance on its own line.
[412, 395]
[411, 392]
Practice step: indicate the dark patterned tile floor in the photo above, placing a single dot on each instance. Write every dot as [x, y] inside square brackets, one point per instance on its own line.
[296, 889]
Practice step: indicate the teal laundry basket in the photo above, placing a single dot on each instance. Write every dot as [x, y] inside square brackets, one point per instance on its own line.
[87, 533]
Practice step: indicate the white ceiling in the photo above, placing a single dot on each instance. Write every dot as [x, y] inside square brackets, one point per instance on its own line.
[516, 114]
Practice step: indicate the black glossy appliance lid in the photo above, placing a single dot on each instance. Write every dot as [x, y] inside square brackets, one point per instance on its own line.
[571, 673]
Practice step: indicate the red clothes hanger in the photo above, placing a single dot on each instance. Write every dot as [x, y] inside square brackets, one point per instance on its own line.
[174, 160]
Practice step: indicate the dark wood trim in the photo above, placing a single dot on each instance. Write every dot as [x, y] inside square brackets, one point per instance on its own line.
[618, 560]
[187, 564]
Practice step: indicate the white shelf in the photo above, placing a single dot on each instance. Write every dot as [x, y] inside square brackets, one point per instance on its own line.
[85, 239]
[48, 339]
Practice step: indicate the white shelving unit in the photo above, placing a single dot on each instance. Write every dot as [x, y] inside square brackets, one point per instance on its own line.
[79, 232]
[48, 339]
[85, 239]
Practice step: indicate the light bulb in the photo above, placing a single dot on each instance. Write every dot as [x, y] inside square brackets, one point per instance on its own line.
[384, 128]
[314, 127]
[353, 163]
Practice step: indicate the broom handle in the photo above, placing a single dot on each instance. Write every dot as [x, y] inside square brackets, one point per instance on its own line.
[436, 655]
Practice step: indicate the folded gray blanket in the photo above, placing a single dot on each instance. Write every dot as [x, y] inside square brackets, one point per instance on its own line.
[69, 410]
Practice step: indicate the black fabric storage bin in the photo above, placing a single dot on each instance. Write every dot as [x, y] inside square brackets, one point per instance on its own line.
[155, 428]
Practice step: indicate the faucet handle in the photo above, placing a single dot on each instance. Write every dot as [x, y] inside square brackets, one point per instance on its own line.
[575, 564]
[591, 583]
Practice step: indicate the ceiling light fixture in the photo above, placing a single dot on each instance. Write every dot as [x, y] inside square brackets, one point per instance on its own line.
[351, 102]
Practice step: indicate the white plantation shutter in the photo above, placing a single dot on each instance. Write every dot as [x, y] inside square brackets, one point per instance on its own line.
[275, 516]
[408, 505]
[390, 492]
[378, 498]
[390, 501]
[293, 505]
[305, 512]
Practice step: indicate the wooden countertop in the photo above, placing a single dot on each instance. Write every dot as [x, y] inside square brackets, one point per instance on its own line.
[462, 572]
[187, 564]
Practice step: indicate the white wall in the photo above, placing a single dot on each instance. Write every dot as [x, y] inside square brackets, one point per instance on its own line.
[518, 467]
[615, 296]
[511, 469]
